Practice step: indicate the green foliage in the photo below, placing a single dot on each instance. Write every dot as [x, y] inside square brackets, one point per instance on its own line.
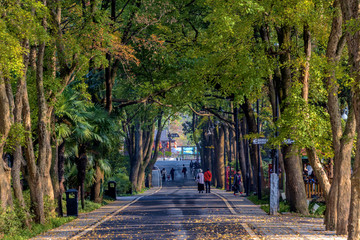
[264, 202]
[15, 138]
[24, 233]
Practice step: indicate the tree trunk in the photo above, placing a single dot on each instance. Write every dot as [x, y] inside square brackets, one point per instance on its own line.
[81, 163]
[35, 184]
[350, 10]
[252, 129]
[61, 172]
[135, 159]
[18, 155]
[294, 180]
[154, 157]
[219, 157]
[99, 180]
[5, 179]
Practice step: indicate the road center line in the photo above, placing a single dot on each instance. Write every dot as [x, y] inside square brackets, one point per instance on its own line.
[82, 233]
[245, 225]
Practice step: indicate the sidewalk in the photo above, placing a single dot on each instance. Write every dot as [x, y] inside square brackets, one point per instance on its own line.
[86, 220]
[263, 226]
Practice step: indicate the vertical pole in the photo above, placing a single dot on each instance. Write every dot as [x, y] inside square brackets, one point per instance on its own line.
[230, 156]
[274, 188]
[237, 137]
[258, 150]
[169, 136]
[248, 183]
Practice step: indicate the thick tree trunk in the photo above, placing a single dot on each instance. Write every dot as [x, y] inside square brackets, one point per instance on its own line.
[350, 10]
[135, 158]
[18, 155]
[155, 155]
[252, 129]
[219, 157]
[61, 172]
[354, 216]
[44, 153]
[81, 163]
[294, 180]
[35, 184]
[5, 173]
[99, 180]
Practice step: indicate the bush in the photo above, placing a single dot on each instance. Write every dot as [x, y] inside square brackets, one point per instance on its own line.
[123, 185]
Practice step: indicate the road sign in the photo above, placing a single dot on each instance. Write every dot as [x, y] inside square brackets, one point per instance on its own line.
[174, 135]
[289, 141]
[260, 141]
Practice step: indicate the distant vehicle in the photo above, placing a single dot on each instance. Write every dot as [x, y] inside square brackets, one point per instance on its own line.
[172, 159]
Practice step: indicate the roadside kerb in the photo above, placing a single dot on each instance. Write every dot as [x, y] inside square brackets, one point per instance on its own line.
[278, 227]
[87, 221]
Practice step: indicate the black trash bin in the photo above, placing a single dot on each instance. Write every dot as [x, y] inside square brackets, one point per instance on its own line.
[72, 202]
[112, 189]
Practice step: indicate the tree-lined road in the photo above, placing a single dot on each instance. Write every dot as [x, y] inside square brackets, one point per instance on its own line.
[177, 211]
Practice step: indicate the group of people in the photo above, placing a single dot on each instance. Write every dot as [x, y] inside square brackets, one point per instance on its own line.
[204, 181]
[164, 174]
[308, 174]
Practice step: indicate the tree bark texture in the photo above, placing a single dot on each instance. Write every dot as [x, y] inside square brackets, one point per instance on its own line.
[5, 171]
[81, 163]
[219, 157]
[350, 11]
[293, 167]
[35, 184]
[294, 179]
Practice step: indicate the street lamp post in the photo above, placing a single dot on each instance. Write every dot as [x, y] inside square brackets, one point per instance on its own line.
[169, 136]
[258, 150]
[274, 177]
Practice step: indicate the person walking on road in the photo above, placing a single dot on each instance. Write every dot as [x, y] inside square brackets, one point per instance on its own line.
[163, 174]
[237, 186]
[184, 170]
[172, 173]
[200, 181]
[207, 178]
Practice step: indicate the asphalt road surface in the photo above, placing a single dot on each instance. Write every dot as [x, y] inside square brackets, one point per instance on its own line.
[177, 211]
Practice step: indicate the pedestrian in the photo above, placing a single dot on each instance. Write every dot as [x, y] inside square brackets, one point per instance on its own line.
[184, 170]
[163, 174]
[191, 164]
[207, 178]
[309, 169]
[237, 186]
[200, 181]
[172, 173]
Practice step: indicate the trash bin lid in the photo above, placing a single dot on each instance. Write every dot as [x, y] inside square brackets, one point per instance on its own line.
[71, 191]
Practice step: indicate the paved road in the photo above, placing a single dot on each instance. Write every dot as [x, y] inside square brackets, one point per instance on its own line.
[177, 211]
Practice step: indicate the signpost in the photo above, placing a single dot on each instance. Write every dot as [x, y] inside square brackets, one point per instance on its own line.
[174, 135]
[260, 141]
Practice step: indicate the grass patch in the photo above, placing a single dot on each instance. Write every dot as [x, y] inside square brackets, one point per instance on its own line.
[17, 231]
[37, 229]
[264, 202]
[285, 207]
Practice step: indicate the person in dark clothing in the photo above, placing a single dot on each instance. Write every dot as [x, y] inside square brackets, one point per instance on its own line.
[207, 178]
[237, 186]
[172, 174]
[163, 174]
[184, 170]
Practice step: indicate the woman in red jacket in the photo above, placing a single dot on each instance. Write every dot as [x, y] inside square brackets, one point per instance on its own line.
[207, 178]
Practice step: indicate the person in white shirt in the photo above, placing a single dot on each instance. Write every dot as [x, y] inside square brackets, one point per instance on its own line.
[310, 170]
[200, 181]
